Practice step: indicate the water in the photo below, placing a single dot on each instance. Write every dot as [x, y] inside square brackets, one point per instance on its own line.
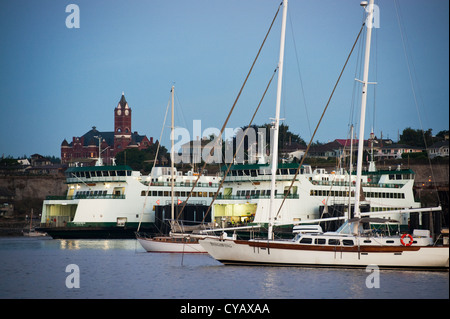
[36, 268]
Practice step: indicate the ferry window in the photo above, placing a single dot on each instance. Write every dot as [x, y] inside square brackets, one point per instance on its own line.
[292, 171]
[240, 173]
[402, 195]
[166, 193]
[247, 193]
[246, 172]
[211, 194]
[263, 192]
[252, 193]
[257, 192]
[398, 176]
[183, 194]
[347, 242]
[306, 241]
[238, 193]
[142, 193]
[160, 193]
[367, 241]
[335, 242]
[319, 241]
[112, 173]
[391, 176]
[120, 173]
[253, 172]
[389, 241]
[268, 192]
[177, 193]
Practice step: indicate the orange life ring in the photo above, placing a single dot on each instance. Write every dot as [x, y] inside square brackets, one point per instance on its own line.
[410, 240]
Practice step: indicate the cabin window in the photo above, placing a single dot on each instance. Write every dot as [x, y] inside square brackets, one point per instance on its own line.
[334, 242]
[389, 241]
[306, 241]
[320, 241]
[367, 241]
[348, 242]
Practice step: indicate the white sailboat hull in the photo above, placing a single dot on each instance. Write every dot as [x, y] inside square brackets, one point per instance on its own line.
[158, 246]
[293, 254]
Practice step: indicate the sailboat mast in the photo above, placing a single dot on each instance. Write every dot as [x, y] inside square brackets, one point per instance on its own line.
[350, 175]
[369, 23]
[277, 120]
[172, 157]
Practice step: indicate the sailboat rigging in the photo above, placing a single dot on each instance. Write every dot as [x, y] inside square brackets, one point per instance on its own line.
[352, 245]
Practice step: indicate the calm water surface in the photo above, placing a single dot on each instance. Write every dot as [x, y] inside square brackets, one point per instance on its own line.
[36, 268]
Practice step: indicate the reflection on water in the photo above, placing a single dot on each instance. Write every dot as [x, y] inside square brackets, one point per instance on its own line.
[103, 244]
[36, 268]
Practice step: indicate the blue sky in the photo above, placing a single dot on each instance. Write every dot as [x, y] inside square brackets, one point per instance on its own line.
[56, 83]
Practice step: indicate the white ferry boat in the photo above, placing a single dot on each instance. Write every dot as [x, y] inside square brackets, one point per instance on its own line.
[112, 201]
[246, 193]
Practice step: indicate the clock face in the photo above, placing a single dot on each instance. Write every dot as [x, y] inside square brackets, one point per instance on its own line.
[126, 112]
[119, 112]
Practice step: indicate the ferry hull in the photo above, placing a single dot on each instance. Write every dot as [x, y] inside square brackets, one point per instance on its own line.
[95, 232]
[264, 253]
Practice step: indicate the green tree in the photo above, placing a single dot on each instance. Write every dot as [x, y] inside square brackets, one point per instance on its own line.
[417, 138]
[141, 160]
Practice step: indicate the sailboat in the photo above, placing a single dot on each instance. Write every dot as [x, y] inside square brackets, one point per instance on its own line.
[353, 244]
[32, 232]
[174, 242]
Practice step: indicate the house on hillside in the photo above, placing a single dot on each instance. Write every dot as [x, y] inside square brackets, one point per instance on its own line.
[438, 149]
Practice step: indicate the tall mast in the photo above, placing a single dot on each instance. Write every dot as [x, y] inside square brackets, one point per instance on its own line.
[350, 175]
[369, 22]
[277, 120]
[172, 155]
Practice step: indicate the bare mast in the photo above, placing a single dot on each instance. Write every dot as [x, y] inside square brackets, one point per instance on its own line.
[277, 120]
[369, 23]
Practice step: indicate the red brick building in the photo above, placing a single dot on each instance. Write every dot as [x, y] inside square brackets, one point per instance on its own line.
[85, 149]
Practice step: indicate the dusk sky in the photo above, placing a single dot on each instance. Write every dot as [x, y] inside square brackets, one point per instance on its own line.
[58, 82]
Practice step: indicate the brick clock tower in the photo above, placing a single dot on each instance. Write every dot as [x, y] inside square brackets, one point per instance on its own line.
[84, 150]
[122, 125]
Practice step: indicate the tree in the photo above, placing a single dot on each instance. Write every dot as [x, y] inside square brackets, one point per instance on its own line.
[141, 160]
[417, 138]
